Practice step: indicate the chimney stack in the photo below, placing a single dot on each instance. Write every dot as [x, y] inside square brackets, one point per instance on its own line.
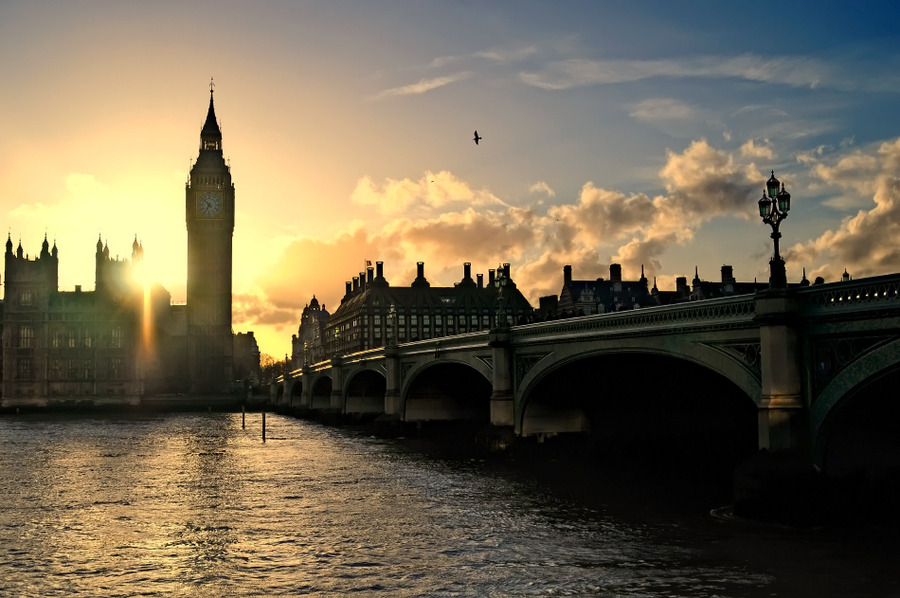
[615, 272]
[727, 274]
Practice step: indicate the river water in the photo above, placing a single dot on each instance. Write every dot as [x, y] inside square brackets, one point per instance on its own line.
[197, 505]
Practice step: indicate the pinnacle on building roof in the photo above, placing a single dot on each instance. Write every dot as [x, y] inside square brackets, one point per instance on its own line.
[211, 135]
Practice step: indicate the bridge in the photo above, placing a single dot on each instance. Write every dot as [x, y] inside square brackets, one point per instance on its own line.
[799, 361]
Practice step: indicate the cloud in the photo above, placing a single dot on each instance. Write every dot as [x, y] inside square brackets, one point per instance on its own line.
[543, 188]
[571, 73]
[432, 191]
[495, 55]
[656, 110]
[421, 86]
[703, 182]
[601, 215]
[751, 150]
[865, 244]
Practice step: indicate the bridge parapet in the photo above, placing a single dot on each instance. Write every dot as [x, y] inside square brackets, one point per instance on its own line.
[865, 295]
[456, 342]
[730, 312]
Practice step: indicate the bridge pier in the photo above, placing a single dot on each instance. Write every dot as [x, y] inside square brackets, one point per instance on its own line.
[392, 384]
[305, 388]
[782, 420]
[502, 395]
[337, 386]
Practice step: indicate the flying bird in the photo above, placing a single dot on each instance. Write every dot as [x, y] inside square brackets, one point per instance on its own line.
[477, 138]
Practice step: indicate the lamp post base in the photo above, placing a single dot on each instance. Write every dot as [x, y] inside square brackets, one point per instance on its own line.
[777, 274]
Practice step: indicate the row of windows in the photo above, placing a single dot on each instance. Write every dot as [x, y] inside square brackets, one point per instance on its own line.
[71, 338]
[74, 369]
[210, 180]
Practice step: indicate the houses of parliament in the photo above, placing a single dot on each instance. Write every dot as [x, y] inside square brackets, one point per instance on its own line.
[122, 344]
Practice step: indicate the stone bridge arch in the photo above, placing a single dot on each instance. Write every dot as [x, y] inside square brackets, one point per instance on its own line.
[293, 391]
[364, 390]
[736, 360]
[320, 387]
[714, 396]
[446, 389]
[872, 377]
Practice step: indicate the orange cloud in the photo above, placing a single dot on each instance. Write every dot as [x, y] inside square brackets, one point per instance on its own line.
[864, 244]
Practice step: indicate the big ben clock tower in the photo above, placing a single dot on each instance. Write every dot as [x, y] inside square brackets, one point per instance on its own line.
[209, 212]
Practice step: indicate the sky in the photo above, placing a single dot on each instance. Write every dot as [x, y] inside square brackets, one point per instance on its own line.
[633, 132]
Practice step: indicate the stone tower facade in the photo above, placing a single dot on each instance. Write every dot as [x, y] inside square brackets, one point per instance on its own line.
[209, 213]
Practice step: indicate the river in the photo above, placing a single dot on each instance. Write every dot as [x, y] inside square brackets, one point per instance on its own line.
[198, 505]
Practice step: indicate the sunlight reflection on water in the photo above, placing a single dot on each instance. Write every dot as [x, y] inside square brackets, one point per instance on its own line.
[194, 505]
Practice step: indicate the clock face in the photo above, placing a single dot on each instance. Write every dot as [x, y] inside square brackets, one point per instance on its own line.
[209, 204]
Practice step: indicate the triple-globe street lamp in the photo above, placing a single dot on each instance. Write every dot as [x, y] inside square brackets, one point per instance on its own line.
[774, 206]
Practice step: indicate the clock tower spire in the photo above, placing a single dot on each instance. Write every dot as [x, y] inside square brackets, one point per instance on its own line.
[209, 213]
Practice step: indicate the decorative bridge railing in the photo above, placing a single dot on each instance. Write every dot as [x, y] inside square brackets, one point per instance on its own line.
[736, 311]
[868, 294]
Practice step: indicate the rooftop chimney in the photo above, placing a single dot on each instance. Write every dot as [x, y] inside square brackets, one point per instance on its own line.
[727, 274]
[420, 280]
[615, 272]
[567, 274]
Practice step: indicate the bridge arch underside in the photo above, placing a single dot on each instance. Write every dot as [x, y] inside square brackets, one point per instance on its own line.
[365, 393]
[448, 392]
[858, 441]
[320, 393]
[295, 392]
[644, 407]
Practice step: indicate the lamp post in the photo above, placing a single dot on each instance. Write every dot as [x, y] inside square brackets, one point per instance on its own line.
[501, 302]
[774, 206]
[392, 325]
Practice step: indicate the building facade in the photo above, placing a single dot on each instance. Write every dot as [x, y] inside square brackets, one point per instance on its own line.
[373, 313]
[308, 345]
[123, 343]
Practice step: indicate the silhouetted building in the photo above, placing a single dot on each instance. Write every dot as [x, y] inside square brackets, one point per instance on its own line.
[122, 342]
[308, 345]
[585, 297]
[373, 313]
[209, 212]
[77, 345]
[246, 357]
